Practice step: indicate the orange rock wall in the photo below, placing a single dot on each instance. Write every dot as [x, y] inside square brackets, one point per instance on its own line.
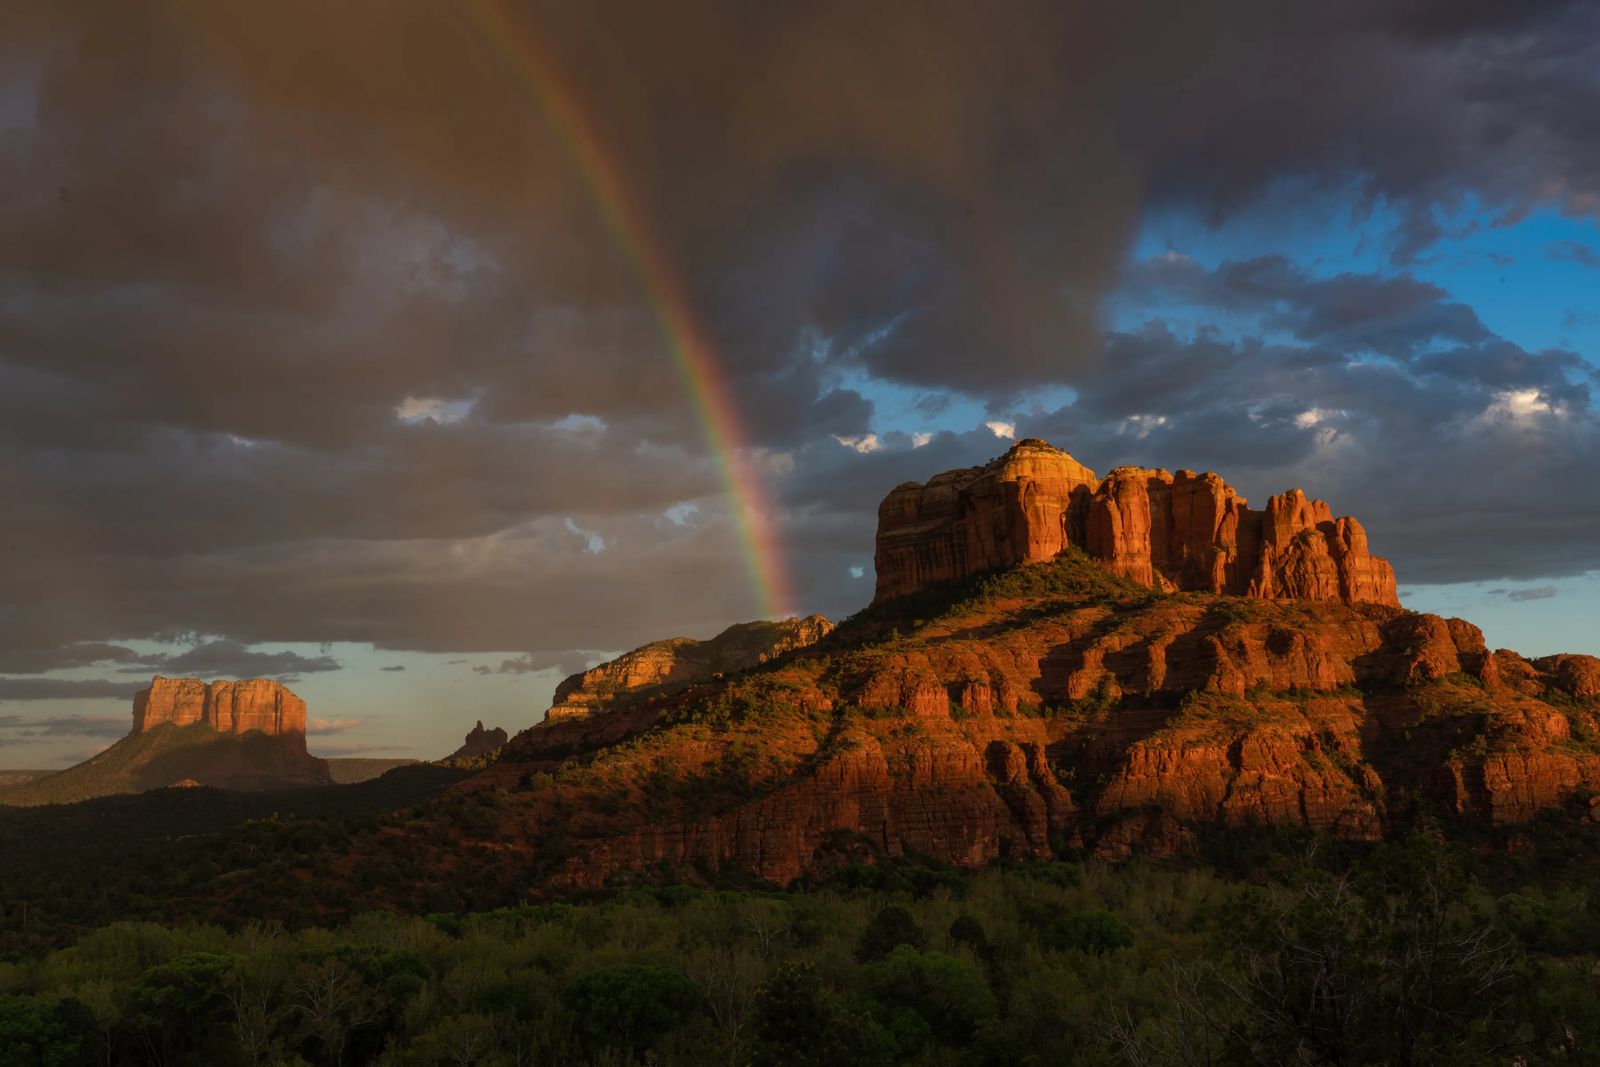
[227, 707]
[1022, 509]
[1170, 532]
[1112, 728]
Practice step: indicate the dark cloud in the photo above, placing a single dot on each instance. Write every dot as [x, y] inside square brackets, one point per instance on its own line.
[394, 667]
[26, 660]
[1392, 315]
[225, 658]
[1574, 252]
[1540, 592]
[240, 245]
[17, 729]
[65, 689]
[565, 663]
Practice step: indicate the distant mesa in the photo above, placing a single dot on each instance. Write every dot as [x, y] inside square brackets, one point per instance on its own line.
[480, 743]
[226, 707]
[247, 735]
[676, 663]
[1168, 532]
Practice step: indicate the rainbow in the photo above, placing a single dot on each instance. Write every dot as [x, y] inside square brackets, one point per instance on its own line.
[692, 349]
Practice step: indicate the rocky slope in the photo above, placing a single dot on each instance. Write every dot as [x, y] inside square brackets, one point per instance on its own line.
[1183, 531]
[672, 664]
[480, 743]
[1061, 708]
[246, 735]
[1085, 698]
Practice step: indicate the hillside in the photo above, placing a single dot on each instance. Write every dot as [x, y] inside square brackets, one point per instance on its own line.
[675, 663]
[169, 853]
[173, 755]
[1050, 709]
[20, 777]
[229, 735]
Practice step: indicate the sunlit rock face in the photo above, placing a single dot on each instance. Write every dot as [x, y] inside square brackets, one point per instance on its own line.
[1182, 531]
[677, 662]
[227, 707]
[1024, 507]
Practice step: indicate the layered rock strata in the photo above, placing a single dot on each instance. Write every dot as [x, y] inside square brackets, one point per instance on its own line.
[1115, 727]
[227, 707]
[677, 662]
[1182, 531]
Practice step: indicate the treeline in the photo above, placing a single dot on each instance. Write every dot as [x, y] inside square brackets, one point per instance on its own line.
[173, 855]
[1402, 959]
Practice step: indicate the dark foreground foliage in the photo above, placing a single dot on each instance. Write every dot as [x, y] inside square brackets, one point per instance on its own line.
[163, 855]
[1393, 955]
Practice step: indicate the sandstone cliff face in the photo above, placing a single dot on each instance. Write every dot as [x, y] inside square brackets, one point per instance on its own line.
[227, 707]
[1576, 676]
[677, 662]
[1025, 725]
[1024, 507]
[1167, 532]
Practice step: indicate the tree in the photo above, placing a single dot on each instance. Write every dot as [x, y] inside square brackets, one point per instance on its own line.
[948, 995]
[796, 1022]
[1397, 967]
[891, 927]
[178, 1007]
[965, 930]
[730, 976]
[1099, 933]
[42, 1033]
[630, 1006]
[332, 1001]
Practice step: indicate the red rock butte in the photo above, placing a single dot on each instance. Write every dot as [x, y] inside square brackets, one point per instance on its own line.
[227, 707]
[1169, 532]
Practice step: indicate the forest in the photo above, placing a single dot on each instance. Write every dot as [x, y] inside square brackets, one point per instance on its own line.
[1302, 951]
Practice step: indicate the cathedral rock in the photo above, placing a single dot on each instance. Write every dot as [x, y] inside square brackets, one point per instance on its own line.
[1170, 532]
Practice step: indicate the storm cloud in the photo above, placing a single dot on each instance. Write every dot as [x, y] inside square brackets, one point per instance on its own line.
[311, 328]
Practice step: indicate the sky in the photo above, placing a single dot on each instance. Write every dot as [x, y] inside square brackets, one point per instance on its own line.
[419, 354]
